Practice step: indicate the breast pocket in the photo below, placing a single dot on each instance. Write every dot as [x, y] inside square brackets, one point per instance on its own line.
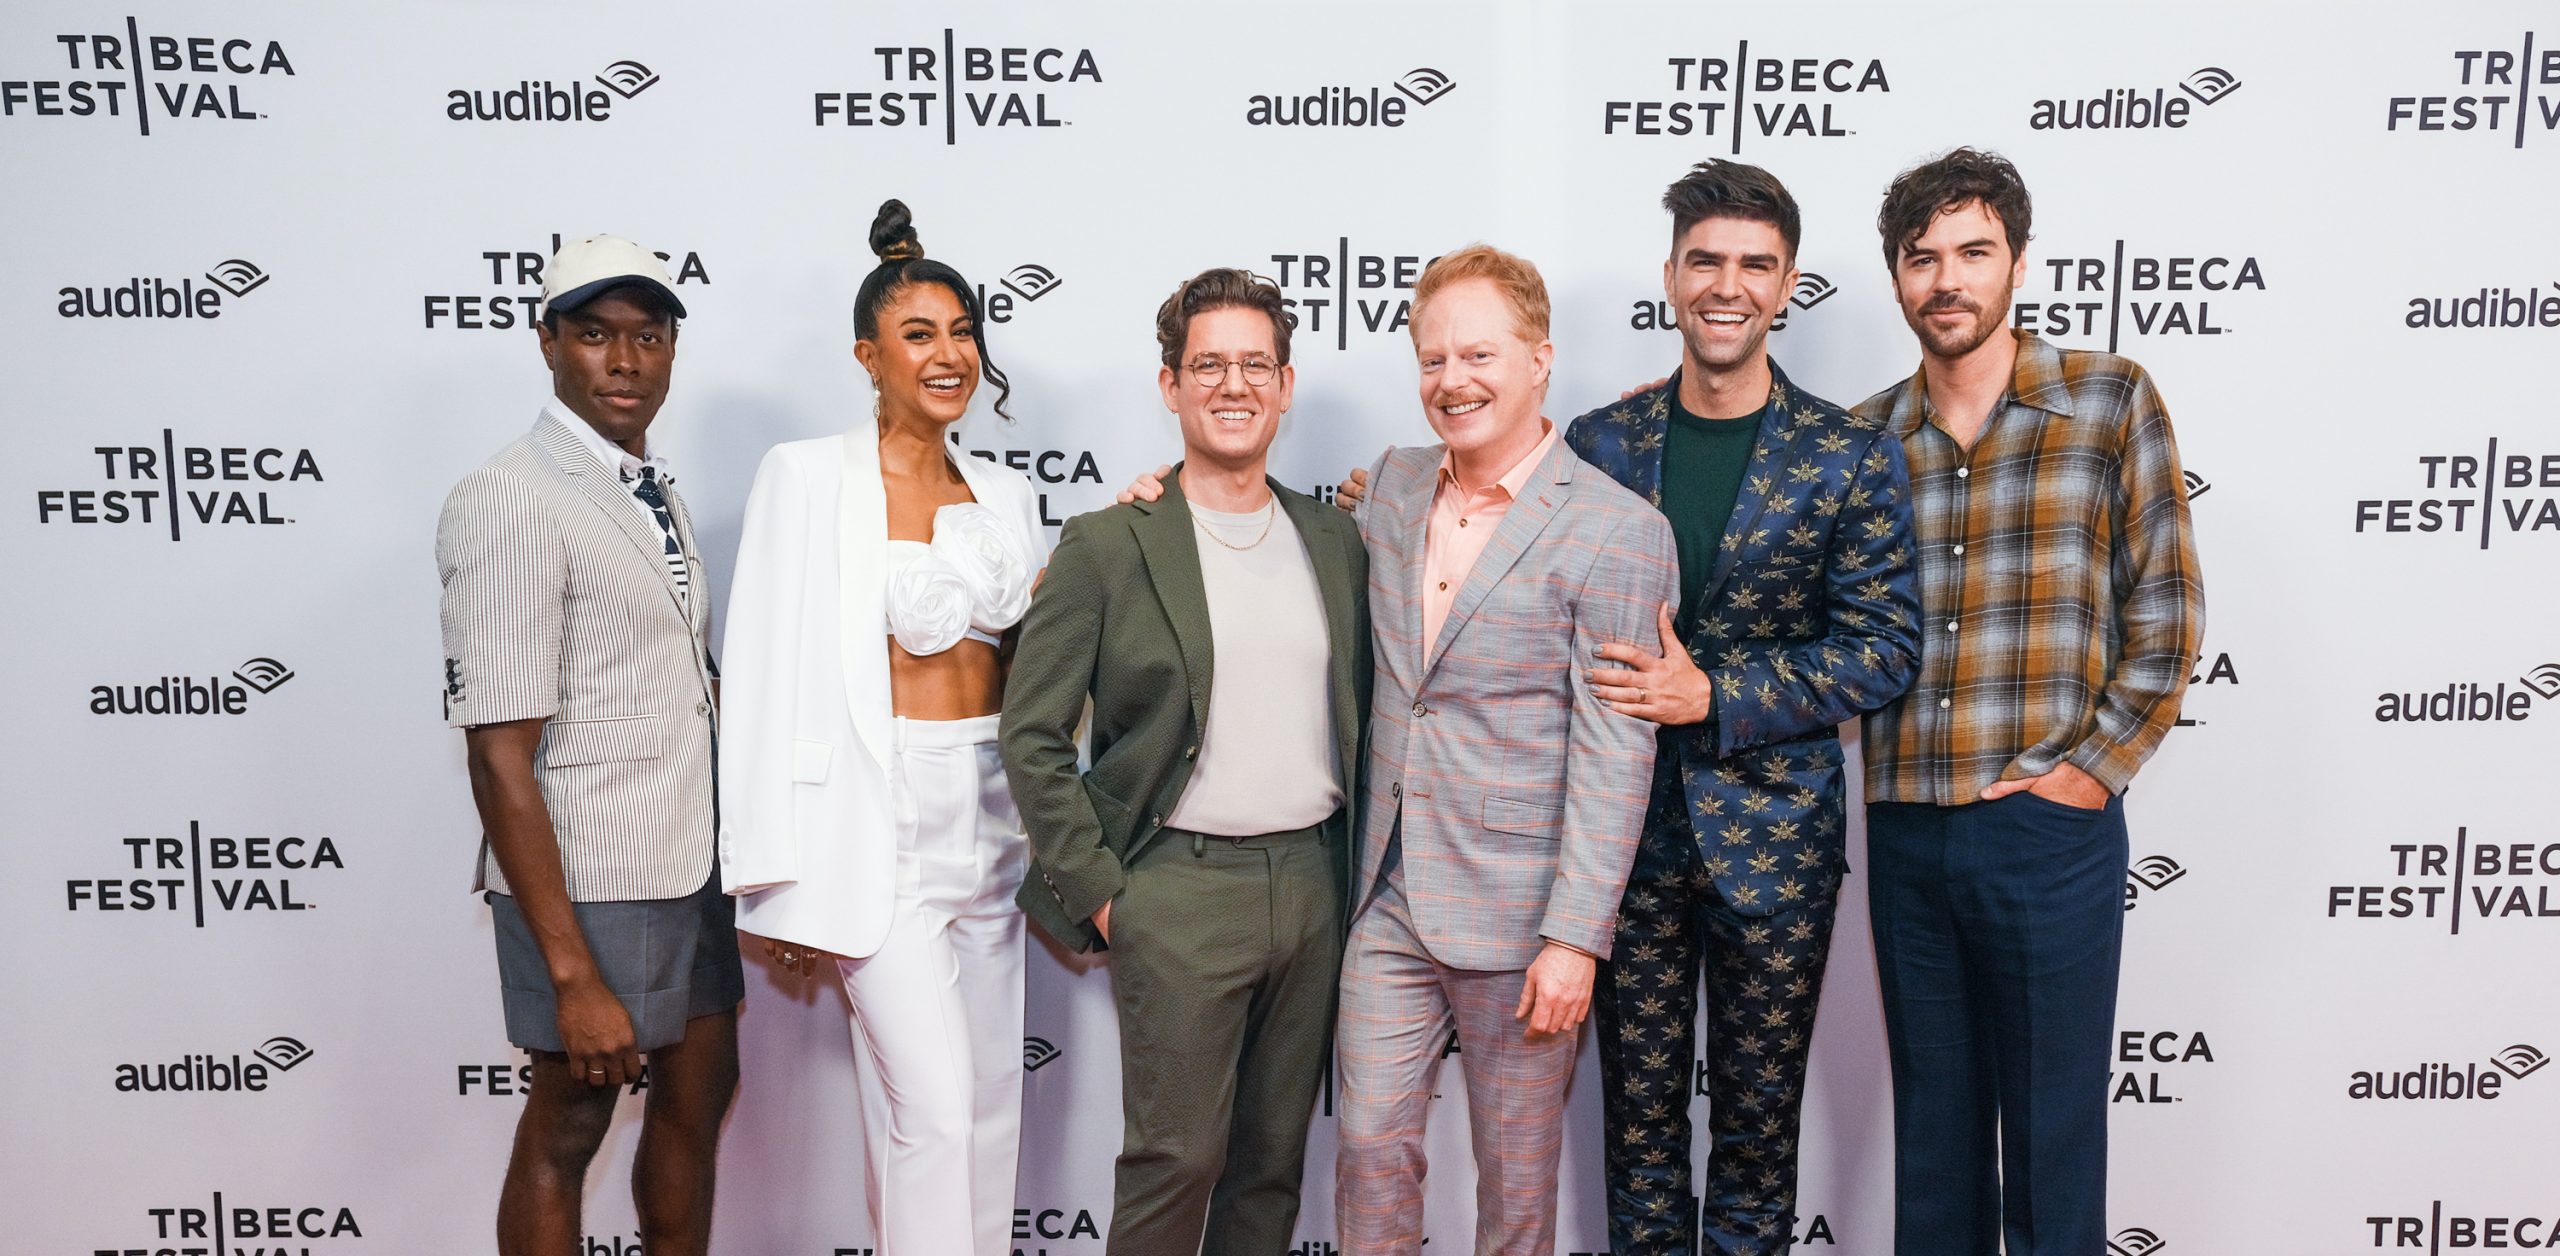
[615, 739]
[1528, 819]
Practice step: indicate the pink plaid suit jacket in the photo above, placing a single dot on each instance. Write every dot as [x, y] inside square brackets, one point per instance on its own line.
[1521, 795]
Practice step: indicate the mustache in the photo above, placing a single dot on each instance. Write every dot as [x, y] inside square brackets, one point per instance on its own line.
[1946, 302]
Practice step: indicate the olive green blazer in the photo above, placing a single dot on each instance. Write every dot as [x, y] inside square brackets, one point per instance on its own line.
[1121, 617]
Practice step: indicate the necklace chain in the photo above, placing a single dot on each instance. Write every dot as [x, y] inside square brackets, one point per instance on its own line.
[1270, 513]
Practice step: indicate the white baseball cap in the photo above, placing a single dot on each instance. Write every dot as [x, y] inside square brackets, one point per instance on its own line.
[585, 269]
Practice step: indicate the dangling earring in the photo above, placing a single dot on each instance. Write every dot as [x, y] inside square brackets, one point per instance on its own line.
[876, 416]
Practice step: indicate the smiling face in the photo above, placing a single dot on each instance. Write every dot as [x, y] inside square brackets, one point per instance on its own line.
[1482, 381]
[610, 360]
[1954, 279]
[1228, 421]
[1727, 280]
[925, 359]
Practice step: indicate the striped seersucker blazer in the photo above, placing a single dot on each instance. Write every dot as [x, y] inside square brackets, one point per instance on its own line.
[1520, 795]
[558, 605]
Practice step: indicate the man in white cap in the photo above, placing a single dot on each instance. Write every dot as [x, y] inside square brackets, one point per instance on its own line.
[576, 623]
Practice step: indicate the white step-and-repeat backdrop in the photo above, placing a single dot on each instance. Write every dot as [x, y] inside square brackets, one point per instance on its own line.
[265, 293]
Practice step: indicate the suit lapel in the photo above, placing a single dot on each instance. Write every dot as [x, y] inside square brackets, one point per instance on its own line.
[1163, 529]
[1333, 566]
[1760, 481]
[1540, 499]
[603, 489]
[1648, 426]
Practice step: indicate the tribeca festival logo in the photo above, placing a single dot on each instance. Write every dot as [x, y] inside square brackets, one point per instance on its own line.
[152, 297]
[2499, 495]
[2151, 873]
[2134, 108]
[2451, 884]
[2147, 1050]
[587, 100]
[2135, 1241]
[1813, 1231]
[1333, 292]
[515, 1080]
[1764, 97]
[2219, 670]
[2448, 1080]
[187, 695]
[2126, 294]
[1338, 106]
[516, 277]
[1050, 468]
[131, 76]
[1052, 1225]
[2498, 95]
[174, 486]
[1655, 314]
[270, 1229]
[203, 873]
[956, 86]
[2471, 701]
[2435, 1231]
[208, 1073]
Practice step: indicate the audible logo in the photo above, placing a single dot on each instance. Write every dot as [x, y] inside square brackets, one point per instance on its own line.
[213, 66]
[2470, 702]
[143, 486]
[2145, 296]
[201, 872]
[2436, 1080]
[2487, 308]
[2135, 1241]
[1810, 290]
[521, 269]
[209, 1074]
[163, 298]
[2499, 97]
[546, 101]
[2481, 511]
[2151, 872]
[1766, 97]
[1037, 1052]
[1350, 106]
[183, 695]
[2449, 883]
[957, 84]
[2133, 108]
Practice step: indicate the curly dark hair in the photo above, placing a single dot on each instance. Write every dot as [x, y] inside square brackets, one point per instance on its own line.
[1219, 288]
[902, 265]
[1953, 180]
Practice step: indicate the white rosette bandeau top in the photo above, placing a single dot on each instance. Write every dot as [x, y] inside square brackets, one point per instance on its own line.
[972, 580]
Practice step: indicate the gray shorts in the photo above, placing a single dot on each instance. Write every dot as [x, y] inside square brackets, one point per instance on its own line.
[668, 960]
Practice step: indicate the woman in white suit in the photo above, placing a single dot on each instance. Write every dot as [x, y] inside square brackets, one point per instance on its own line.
[865, 816]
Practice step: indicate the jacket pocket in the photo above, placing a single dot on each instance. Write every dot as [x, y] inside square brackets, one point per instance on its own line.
[570, 743]
[810, 760]
[1528, 819]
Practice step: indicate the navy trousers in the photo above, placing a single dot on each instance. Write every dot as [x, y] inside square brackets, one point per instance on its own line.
[1998, 926]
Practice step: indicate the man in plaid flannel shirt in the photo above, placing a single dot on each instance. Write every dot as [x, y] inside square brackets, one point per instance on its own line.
[2062, 611]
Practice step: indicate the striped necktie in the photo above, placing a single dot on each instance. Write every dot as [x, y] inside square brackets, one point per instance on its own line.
[645, 487]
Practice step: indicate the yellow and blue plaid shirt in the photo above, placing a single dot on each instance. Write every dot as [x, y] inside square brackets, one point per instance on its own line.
[2062, 605]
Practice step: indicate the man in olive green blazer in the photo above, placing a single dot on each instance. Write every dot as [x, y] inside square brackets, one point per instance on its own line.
[1222, 634]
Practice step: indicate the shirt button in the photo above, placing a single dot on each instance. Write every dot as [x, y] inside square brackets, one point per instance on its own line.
[1963, 472]
[1191, 752]
[1444, 586]
[1944, 703]
[1951, 625]
[1420, 710]
[1959, 549]
[1462, 523]
[702, 708]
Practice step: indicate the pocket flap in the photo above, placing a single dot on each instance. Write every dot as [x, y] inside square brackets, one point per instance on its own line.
[569, 743]
[810, 760]
[1530, 819]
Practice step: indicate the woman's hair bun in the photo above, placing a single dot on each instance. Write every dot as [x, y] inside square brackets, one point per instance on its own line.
[893, 233]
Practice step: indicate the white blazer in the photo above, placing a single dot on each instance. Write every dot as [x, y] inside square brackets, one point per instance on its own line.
[806, 840]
